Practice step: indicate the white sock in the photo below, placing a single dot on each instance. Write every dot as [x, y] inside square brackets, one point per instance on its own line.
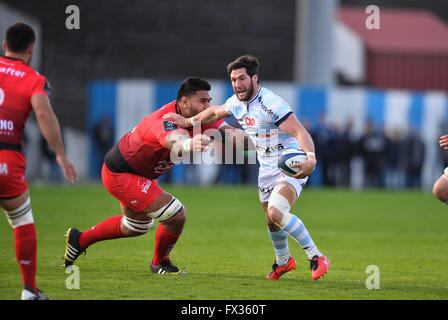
[279, 240]
[296, 229]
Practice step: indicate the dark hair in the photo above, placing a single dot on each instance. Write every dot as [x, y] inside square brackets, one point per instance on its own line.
[192, 85]
[247, 61]
[19, 37]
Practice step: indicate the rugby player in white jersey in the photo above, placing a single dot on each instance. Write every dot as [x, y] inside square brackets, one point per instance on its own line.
[272, 127]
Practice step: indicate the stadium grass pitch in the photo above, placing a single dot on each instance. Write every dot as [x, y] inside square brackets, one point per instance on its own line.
[226, 250]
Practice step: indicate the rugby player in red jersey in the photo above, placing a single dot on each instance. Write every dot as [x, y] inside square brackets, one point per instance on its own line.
[130, 173]
[23, 90]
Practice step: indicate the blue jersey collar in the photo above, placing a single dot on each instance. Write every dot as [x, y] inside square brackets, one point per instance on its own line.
[256, 96]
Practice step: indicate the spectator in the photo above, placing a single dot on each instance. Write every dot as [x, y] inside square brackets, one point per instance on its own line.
[415, 155]
[50, 170]
[326, 151]
[395, 160]
[343, 145]
[103, 134]
[372, 147]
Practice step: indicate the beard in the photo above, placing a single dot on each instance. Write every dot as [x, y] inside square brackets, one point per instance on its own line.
[248, 95]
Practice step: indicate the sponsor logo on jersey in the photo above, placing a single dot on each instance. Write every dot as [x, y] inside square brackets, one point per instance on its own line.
[12, 72]
[249, 121]
[3, 169]
[271, 134]
[145, 184]
[169, 125]
[270, 113]
[163, 166]
[6, 127]
[269, 150]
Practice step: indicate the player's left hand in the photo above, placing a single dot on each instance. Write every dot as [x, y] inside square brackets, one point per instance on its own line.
[177, 118]
[200, 143]
[443, 142]
[67, 168]
[305, 168]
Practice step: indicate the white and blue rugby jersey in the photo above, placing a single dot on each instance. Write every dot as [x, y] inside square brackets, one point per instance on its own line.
[260, 118]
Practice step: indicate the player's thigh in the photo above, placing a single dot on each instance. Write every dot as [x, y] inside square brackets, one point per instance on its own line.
[264, 206]
[13, 185]
[10, 204]
[286, 190]
[142, 198]
[167, 210]
[283, 196]
[134, 192]
[269, 186]
[271, 225]
[266, 183]
[289, 187]
[160, 202]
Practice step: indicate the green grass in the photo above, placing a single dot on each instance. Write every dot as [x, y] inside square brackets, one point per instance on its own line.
[226, 250]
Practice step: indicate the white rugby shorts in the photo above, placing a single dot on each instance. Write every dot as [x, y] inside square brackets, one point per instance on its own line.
[268, 178]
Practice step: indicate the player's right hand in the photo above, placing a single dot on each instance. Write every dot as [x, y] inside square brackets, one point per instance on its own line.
[67, 168]
[305, 168]
[200, 142]
[177, 118]
[443, 142]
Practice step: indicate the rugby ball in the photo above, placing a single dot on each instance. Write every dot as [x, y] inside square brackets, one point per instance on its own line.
[289, 157]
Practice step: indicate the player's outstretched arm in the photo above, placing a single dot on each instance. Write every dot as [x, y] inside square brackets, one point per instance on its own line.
[180, 142]
[49, 126]
[294, 128]
[237, 137]
[209, 115]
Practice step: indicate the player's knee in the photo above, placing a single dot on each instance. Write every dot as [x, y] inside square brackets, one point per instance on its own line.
[182, 215]
[21, 216]
[269, 220]
[278, 209]
[176, 223]
[172, 209]
[441, 196]
[178, 220]
[132, 227]
[274, 215]
[440, 192]
[440, 188]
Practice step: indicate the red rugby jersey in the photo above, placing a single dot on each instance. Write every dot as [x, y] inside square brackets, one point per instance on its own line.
[18, 83]
[141, 151]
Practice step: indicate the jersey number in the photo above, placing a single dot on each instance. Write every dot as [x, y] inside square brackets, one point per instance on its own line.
[2, 96]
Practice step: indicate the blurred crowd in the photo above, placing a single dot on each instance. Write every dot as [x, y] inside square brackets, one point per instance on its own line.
[390, 159]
